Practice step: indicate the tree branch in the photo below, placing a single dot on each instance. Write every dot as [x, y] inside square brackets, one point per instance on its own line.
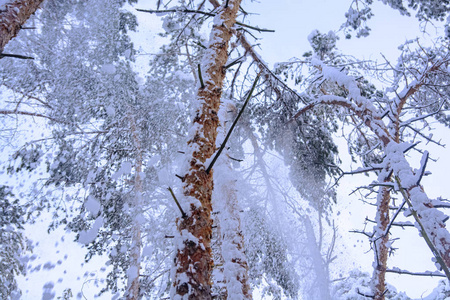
[209, 14]
[232, 126]
[425, 236]
[426, 273]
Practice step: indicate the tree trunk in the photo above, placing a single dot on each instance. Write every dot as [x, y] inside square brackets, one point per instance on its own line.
[322, 290]
[13, 15]
[232, 256]
[380, 240]
[133, 291]
[193, 260]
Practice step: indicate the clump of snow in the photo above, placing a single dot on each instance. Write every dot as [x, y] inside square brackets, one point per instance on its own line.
[48, 292]
[108, 69]
[132, 274]
[125, 169]
[92, 205]
[89, 236]
[111, 111]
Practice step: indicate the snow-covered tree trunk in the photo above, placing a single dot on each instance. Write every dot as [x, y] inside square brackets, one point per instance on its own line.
[133, 273]
[193, 260]
[13, 15]
[218, 285]
[235, 266]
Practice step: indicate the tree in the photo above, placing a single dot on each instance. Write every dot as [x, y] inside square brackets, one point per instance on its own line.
[391, 140]
[115, 137]
[14, 15]
[12, 245]
[193, 260]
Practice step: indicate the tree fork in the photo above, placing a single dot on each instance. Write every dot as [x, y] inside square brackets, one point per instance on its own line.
[193, 259]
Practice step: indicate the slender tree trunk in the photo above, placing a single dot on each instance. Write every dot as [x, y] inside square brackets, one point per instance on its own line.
[13, 15]
[133, 292]
[430, 221]
[380, 240]
[322, 291]
[193, 260]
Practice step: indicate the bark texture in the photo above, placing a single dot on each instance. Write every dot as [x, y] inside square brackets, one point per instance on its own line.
[380, 242]
[13, 15]
[235, 266]
[193, 261]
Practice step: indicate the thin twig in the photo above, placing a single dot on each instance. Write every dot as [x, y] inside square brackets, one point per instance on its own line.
[183, 214]
[202, 85]
[423, 166]
[191, 11]
[15, 56]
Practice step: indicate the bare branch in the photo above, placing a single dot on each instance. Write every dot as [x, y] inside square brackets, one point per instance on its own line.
[426, 273]
[232, 126]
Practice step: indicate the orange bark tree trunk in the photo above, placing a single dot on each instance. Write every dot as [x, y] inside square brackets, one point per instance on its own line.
[13, 15]
[193, 260]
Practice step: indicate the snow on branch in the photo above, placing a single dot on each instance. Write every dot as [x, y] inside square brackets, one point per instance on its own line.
[438, 242]
[209, 14]
[429, 220]
[426, 273]
[271, 79]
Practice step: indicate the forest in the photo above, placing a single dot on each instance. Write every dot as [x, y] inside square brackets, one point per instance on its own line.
[150, 150]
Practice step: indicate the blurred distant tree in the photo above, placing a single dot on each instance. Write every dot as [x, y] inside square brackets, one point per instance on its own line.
[12, 243]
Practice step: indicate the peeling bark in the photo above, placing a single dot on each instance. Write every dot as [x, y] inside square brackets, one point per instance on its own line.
[14, 14]
[193, 261]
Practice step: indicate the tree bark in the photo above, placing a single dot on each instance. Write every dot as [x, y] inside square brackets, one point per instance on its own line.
[193, 260]
[13, 15]
[380, 241]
